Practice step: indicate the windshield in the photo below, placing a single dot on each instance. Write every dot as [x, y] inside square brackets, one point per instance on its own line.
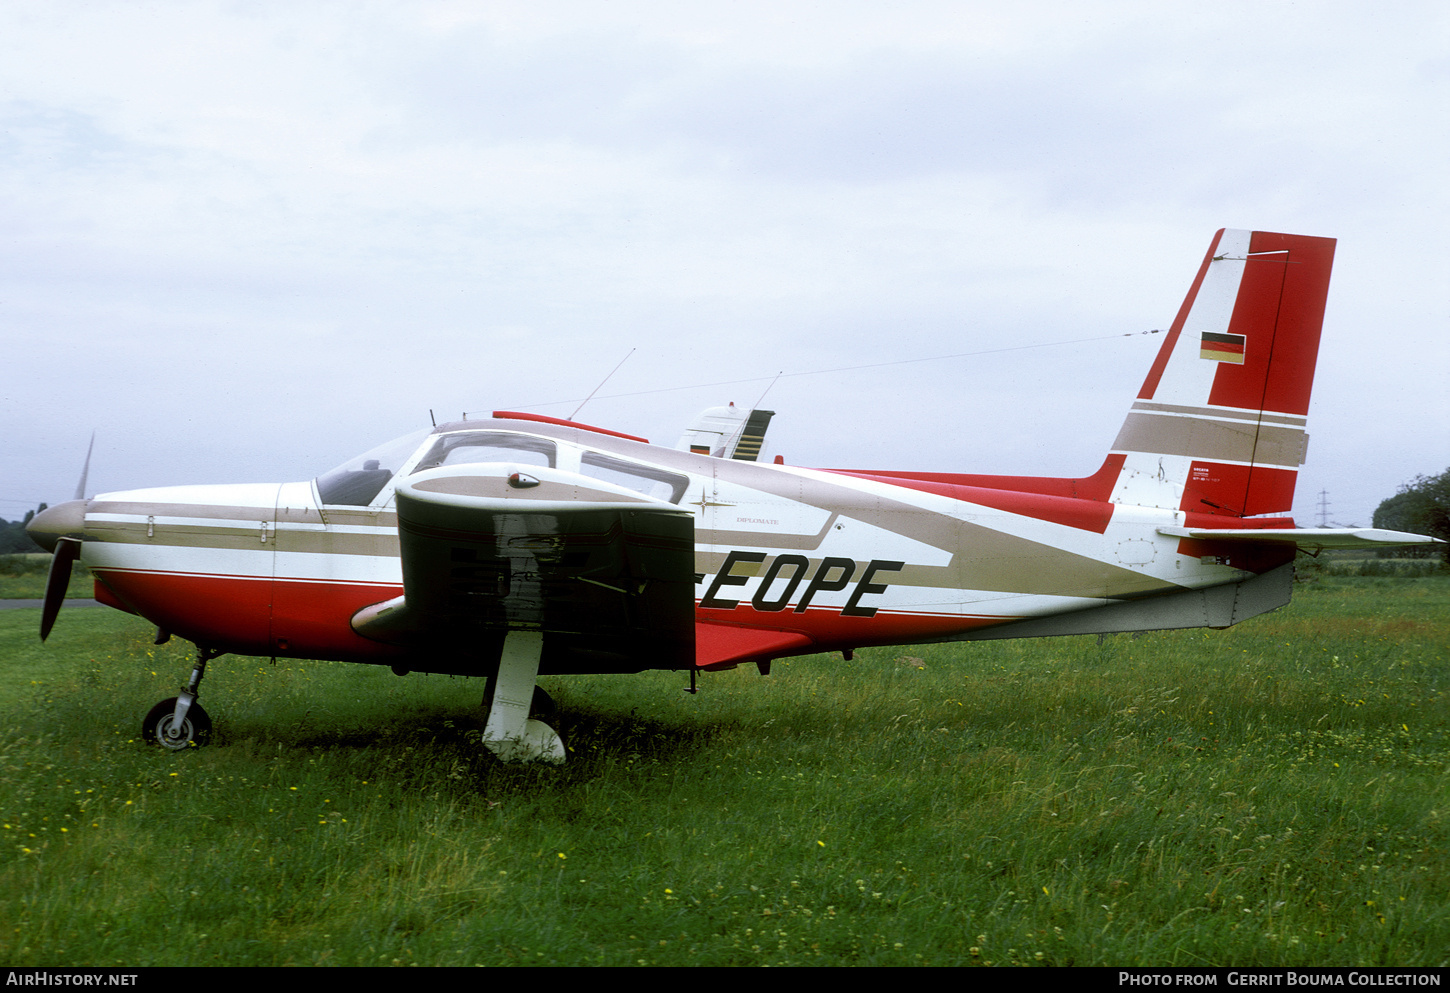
[358, 481]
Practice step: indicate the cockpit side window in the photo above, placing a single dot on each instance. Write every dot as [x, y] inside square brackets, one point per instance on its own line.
[646, 479]
[487, 446]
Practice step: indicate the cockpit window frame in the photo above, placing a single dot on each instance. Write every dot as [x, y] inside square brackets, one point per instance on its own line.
[677, 482]
[447, 443]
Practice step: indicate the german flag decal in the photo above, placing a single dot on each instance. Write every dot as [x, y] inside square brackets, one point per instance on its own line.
[1221, 347]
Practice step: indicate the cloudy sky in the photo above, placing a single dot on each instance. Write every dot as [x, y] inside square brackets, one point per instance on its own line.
[245, 241]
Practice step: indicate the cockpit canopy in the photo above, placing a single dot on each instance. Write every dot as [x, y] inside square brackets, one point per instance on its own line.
[360, 481]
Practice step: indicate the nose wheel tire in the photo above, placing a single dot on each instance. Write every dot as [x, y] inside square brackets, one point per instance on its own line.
[159, 727]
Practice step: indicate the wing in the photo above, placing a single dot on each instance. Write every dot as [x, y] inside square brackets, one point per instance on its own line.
[1308, 539]
[604, 573]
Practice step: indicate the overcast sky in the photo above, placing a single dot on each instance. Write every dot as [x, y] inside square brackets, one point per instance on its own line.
[246, 241]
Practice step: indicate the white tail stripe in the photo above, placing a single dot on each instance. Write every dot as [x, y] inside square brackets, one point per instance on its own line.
[1293, 420]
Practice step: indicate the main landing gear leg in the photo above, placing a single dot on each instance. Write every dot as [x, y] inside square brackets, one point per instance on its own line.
[180, 722]
[509, 733]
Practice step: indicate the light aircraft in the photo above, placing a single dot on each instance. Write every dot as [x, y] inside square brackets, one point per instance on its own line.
[522, 544]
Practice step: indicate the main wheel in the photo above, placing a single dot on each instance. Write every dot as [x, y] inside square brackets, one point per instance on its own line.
[195, 729]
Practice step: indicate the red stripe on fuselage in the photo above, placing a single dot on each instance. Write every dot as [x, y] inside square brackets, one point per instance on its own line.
[255, 615]
[312, 620]
[104, 595]
[823, 630]
[1098, 486]
[1041, 498]
[727, 645]
[230, 613]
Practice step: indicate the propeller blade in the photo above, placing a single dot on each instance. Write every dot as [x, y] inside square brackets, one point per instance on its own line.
[67, 550]
[85, 469]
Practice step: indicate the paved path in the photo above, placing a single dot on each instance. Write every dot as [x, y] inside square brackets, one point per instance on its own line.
[17, 604]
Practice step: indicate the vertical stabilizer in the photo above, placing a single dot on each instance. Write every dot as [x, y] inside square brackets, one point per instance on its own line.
[752, 436]
[1219, 425]
[727, 432]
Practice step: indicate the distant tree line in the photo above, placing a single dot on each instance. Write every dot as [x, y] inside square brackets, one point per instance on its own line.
[13, 538]
[1422, 506]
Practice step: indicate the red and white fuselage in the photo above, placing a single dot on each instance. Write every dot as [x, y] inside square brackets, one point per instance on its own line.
[791, 560]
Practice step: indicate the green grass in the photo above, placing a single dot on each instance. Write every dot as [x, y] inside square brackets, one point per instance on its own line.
[1398, 568]
[1274, 794]
[22, 577]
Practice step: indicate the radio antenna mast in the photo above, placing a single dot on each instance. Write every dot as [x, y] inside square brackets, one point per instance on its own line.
[601, 384]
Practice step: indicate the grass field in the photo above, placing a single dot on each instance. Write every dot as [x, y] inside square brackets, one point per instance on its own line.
[22, 577]
[1271, 794]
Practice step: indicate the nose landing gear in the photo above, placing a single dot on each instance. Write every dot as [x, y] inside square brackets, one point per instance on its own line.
[180, 722]
[162, 728]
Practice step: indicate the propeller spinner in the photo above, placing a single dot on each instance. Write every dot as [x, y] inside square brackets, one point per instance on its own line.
[59, 530]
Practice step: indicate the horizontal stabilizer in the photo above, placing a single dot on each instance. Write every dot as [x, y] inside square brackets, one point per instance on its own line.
[1308, 539]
